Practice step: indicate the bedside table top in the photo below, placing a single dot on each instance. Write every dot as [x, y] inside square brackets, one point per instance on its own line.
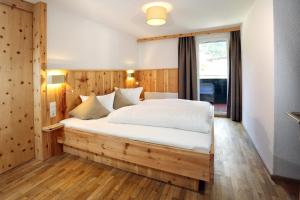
[53, 127]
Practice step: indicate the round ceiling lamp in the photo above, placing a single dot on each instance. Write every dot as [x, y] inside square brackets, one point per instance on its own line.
[156, 13]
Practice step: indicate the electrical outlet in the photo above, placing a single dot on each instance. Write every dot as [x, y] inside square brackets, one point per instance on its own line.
[52, 109]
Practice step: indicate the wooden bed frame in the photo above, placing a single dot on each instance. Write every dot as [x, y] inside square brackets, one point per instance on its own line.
[184, 168]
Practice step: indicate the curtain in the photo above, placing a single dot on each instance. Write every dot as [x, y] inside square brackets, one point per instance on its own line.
[187, 68]
[234, 102]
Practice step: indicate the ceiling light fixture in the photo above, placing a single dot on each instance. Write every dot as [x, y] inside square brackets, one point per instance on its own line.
[156, 12]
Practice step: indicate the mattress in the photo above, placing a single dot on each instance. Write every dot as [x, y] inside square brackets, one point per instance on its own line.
[188, 140]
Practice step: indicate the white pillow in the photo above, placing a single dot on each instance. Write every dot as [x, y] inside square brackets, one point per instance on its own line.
[132, 94]
[106, 100]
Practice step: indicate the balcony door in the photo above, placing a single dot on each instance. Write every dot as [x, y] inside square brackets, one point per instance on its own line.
[213, 72]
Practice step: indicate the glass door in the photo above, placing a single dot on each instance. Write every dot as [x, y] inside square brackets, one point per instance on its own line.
[213, 73]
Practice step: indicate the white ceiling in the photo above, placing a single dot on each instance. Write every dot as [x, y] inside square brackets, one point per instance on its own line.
[186, 16]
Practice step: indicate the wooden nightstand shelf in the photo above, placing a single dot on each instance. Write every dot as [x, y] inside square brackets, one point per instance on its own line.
[50, 134]
[53, 127]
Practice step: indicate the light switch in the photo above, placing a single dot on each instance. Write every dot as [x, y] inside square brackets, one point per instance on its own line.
[52, 109]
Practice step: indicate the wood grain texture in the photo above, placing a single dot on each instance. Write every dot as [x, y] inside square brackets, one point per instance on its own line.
[87, 82]
[39, 76]
[181, 181]
[53, 148]
[172, 160]
[204, 32]
[158, 80]
[16, 100]
[54, 127]
[18, 4]
[239, 175]
[56, 93]
[103, 82]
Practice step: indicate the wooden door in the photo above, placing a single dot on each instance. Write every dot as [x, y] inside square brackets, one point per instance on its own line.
[16, 87]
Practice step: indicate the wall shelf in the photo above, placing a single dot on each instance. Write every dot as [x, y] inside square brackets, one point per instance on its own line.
[53, 127]
[295, 116]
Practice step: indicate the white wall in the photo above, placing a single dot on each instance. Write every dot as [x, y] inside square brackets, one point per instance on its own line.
[287, 87]
[78, 43]
[258, 78]
[158, 54]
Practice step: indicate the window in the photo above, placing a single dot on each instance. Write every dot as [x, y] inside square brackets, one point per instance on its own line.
[213, 59]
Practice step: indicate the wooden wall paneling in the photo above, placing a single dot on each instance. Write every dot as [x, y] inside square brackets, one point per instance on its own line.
[72, 97]
[100, 83]
[91, 82]
[119, 79]
[172, 80]
[158, 80]
[16, 103]
[87, 82]
[67, 96]
[153, 80]
[103, 82]
[40, 74]
[107, 82]
[56, 93]
[19, 4]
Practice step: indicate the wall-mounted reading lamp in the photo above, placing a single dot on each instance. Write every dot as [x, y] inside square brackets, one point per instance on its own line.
[130, 74]
[56, 79]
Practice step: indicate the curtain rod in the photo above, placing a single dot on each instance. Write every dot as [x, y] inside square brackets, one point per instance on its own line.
[163, 37]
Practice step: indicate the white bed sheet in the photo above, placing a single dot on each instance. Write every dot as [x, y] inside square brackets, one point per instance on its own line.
[189, 140]
[181, 114]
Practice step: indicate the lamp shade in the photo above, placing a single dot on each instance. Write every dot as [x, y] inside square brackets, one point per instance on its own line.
[55, 79]
[156, 15]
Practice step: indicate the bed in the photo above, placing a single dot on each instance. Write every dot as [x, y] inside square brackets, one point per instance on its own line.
[181, 157]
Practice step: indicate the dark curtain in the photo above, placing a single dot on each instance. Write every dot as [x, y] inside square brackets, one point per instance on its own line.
[187, 67]
[234, 102]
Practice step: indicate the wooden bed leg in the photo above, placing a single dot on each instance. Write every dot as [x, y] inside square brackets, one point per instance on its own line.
[201, 186]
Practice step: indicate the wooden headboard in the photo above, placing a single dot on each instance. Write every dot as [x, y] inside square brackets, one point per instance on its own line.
[87, 82]
[79, 83]
[158, 80]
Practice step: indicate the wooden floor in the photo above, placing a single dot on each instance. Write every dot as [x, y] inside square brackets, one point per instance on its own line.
[239, 174]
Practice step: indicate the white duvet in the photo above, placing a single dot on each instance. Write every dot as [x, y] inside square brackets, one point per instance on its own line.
[168, 113]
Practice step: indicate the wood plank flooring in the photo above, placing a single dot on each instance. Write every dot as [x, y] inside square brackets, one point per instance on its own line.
[239, 174]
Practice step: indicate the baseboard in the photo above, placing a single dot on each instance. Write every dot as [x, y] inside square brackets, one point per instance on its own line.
[264, 164]
[273, 176]
[281, 178]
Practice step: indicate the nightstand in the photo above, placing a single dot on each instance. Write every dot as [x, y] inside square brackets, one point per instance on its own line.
[50, 134]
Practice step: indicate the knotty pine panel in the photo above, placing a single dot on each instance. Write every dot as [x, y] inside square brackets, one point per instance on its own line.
[56, 93]
[67, 96]
[87, 82]
[39, 76]
[158, 80]
[16, 88]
